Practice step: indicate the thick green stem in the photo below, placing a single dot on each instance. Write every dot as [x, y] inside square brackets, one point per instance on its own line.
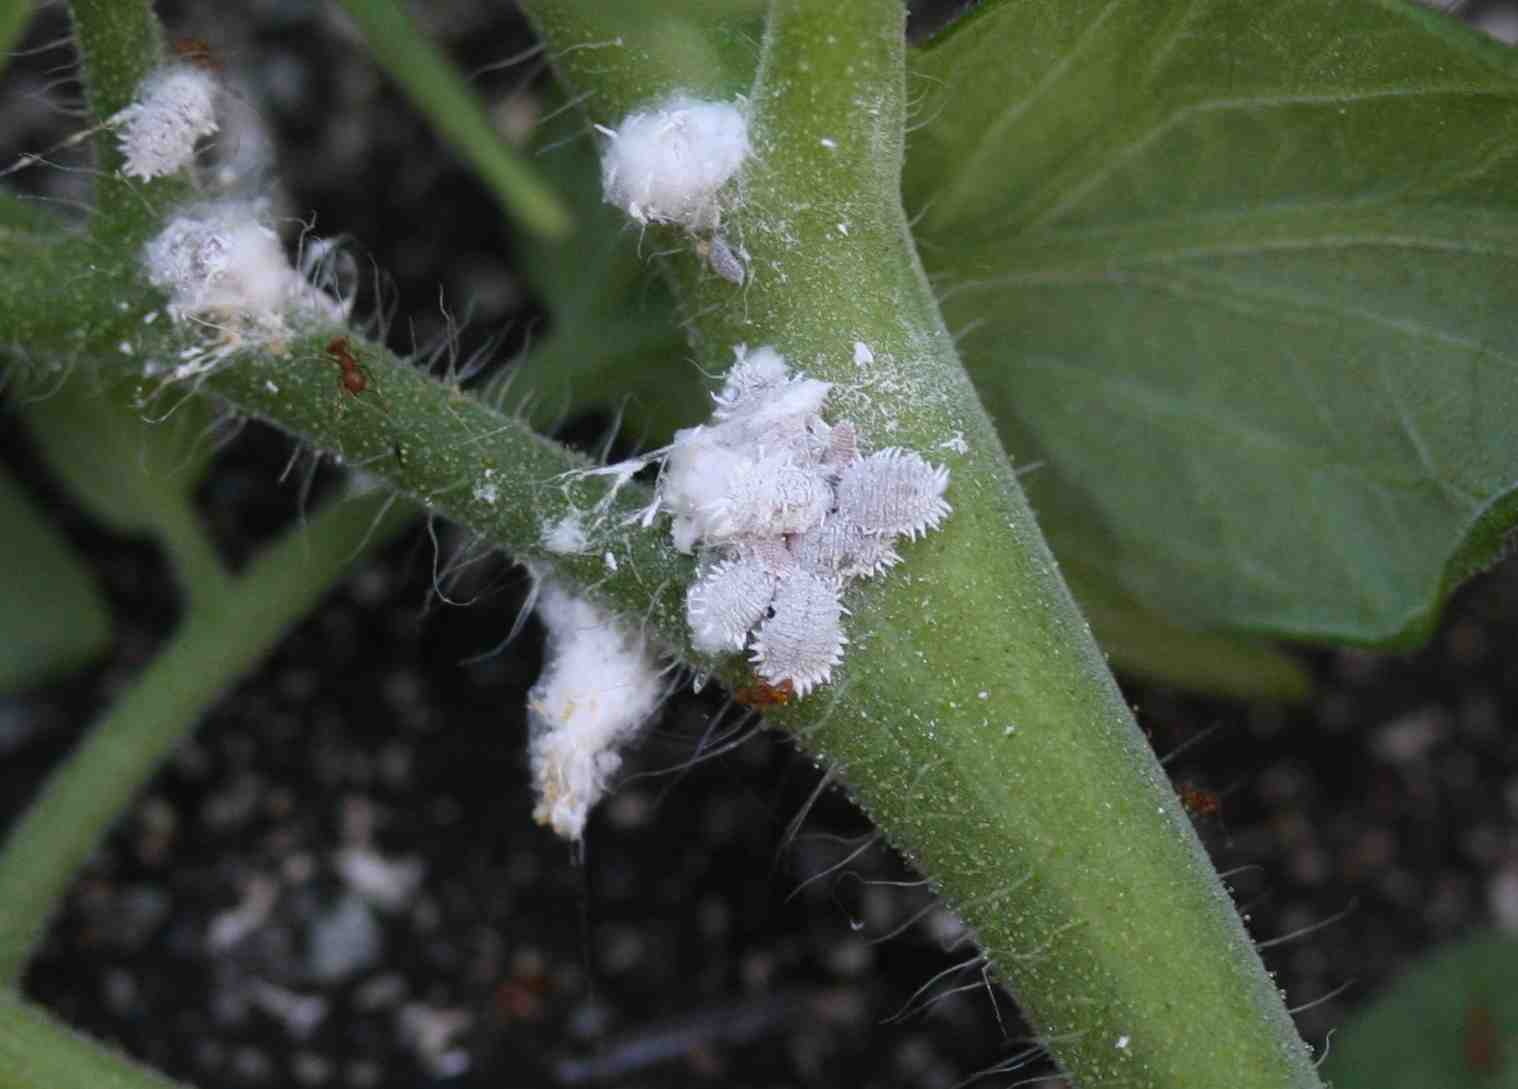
[216, 645]
[39, 1052]
[974, 716]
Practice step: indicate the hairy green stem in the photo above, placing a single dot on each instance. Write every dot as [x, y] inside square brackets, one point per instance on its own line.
[974, 717]
[39, 1052]
[218, 643]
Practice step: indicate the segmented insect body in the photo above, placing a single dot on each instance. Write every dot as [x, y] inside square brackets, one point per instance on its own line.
[893, 491]
[354, 379]
[843, 447]
[771, 497]
[726, 602]
[722, 260]
[803, 638]
[835, 547]
[770, 553]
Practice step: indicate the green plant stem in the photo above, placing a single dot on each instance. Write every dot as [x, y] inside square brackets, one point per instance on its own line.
[39, 1052]
[197, 563]
[974, 716]
[215, 646]
[436, 87]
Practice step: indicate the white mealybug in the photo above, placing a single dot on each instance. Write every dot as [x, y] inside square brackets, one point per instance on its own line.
[727, 601]
[803, 640]
[893, 491]
[175, 107]
[783, 513]
[770, 497]
[841, 549]
[770, 553]
[669, 163]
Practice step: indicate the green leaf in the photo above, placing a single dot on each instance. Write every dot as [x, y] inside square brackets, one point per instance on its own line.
[441, 93]
[1153, 647]
[1242, 278]
[52, 616]
[1452, 1022]
[133, 469]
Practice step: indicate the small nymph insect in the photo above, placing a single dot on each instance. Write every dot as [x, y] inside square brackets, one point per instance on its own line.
[354, 379]
[722, 260]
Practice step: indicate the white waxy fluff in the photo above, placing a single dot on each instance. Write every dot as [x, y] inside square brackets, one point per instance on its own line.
[600, 684]
[221, 260]
[753, 375]
[726, 602]
[697, 477]
[668, 164]
[779, 419]
[175, 107]
[893, 491]
[803, 640]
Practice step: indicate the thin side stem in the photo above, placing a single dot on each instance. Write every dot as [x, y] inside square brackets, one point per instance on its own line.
[37, 1051]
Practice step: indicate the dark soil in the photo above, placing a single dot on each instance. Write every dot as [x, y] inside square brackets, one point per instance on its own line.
[338, 882]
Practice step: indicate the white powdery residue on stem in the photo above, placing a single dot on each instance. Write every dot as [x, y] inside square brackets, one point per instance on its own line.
[600, 684]
[669, 163]
[175, 107]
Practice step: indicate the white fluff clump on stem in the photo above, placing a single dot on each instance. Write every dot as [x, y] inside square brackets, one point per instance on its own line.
[667, 164]
[222, 263]
[175, 107]
[600, 684]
